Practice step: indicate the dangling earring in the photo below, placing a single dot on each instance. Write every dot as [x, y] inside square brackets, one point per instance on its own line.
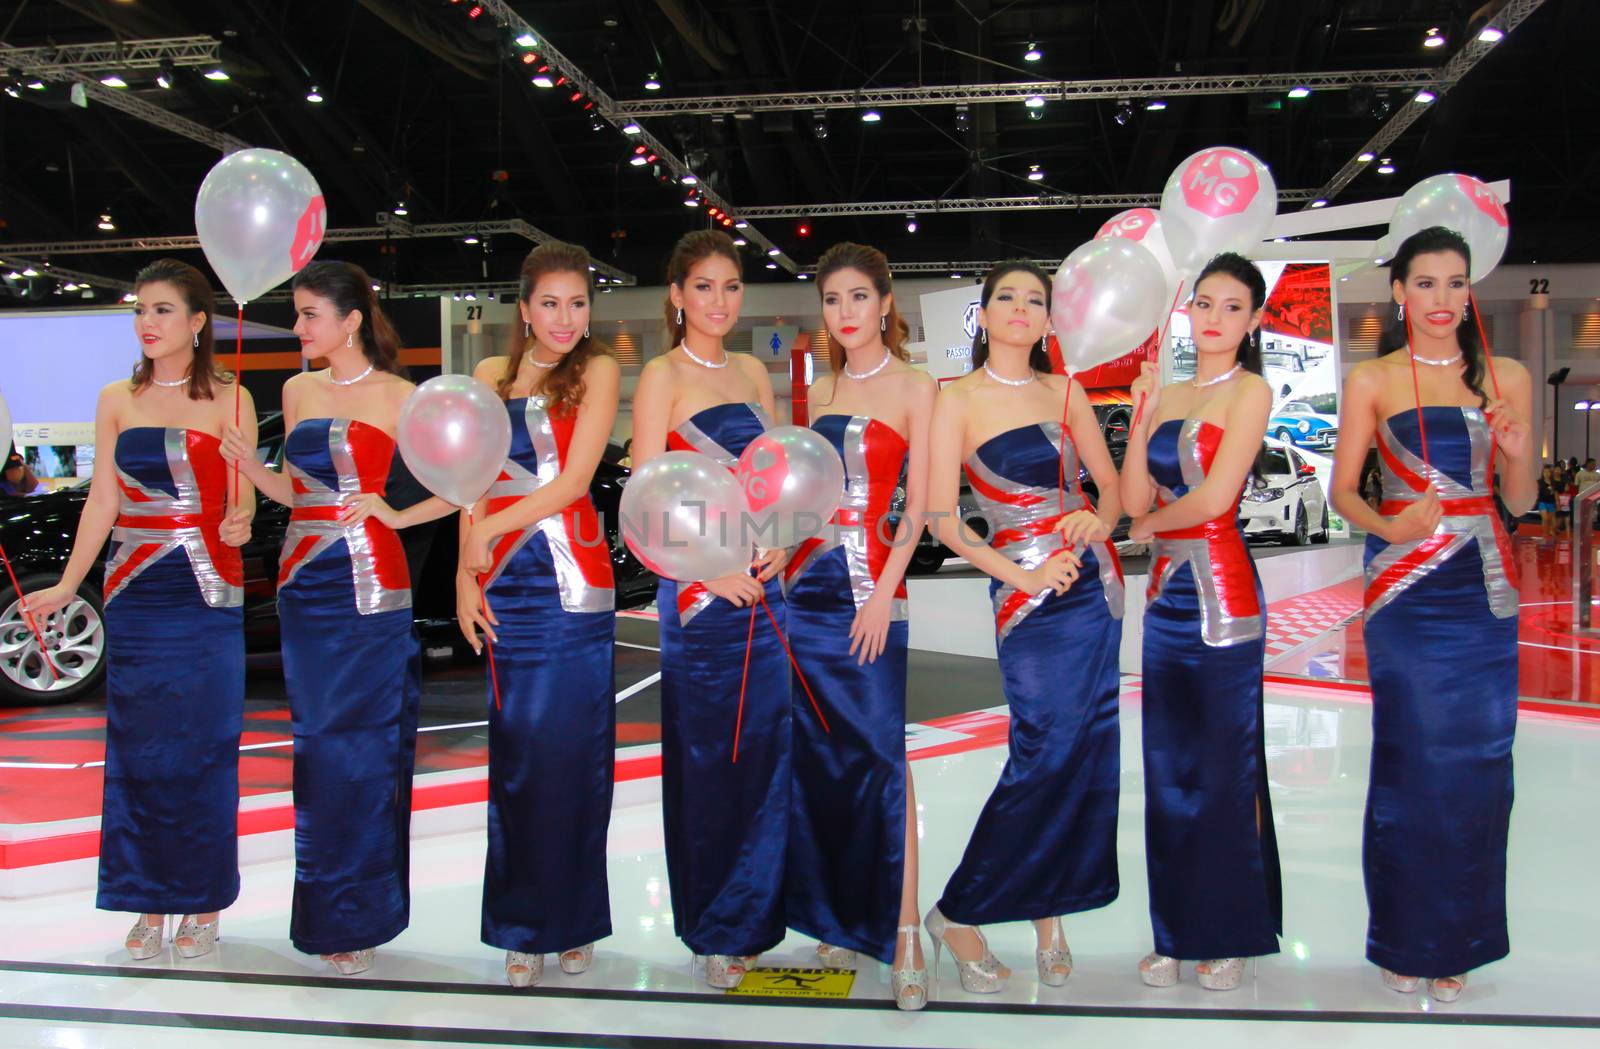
[585, 331]
[984, 336]
[197, 340]
[1401, 314]
[1466, 311]
[527, 329]
[680, 315]
[349, 339]
[883, 323]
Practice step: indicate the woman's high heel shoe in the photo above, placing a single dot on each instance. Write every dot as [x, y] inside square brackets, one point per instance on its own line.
[836, 957]
[1447, 988]
[1158, 970]
[144, 941]
[202, 937]
[577, 961]
[349, 963]
[726, 971]
[979, 977]
[910, 985]
[1396, 982]
[1220, 974]
[1055, 961]
[524, 969]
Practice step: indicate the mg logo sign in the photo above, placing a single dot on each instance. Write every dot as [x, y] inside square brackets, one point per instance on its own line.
[1220, 183]
[969, 322]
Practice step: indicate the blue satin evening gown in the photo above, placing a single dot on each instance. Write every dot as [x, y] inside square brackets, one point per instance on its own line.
[174, 613]
[1046, 841]
[552, 739]
[847, 815]
[1208, 813]
[1441, 639]
[351, 664]
[727, 823]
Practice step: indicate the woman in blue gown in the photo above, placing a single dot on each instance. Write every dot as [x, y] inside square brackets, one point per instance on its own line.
[852, 859]
[1441, 619]
[726, 822]
[546, 567]
[1212, 857]
[1045, 842]
[174, 587]
[351, 661]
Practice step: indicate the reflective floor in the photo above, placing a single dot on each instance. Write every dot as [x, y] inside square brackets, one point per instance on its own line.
[67, 982]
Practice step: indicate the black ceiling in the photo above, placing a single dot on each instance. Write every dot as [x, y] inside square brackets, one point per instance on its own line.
[426, 104]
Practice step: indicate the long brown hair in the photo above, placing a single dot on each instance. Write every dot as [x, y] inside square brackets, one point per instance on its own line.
[563, 385]
[874, 265]
[690, 249]
[198, 298]
[348, 287]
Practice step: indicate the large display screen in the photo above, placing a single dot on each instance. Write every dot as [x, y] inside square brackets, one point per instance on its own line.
[52, 366]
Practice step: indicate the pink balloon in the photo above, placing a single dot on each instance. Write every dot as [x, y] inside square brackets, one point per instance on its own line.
[793, 481]
[454, 435]
[682, 515]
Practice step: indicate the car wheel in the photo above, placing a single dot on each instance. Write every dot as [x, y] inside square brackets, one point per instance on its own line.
[1285, 436]
[75, 636]
[1300, 527]
[1326, 533]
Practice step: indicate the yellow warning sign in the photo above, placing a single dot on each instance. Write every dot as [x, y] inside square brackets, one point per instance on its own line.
[796, 983]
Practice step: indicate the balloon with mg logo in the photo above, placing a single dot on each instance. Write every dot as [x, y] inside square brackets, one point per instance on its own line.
[793, 481]
[1219, 199]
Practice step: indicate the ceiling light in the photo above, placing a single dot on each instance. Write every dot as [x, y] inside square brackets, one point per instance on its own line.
[400, 209]
[13, 275]
[911, 222]
[871, 116]
[1424, 96]
[772, 265]
[475, 11]
[1386, 168]
[630, 128]
[803, 229]
[651, 83]
[113, 80]
[819, 125]
[313, 95]
[527, 40]
[1435, 38]
[1155, 105]
[1034, 102]
[1319, 203]
[1035, 174]
[955, 276]
[1299, 91]
[1124, 114]
[740, 242]
[963, 121]
[105, 224]
[1491, 35]
[11, 89]
[543, 80]
[802, 276]
[34, 85]
[691, 201]
[637, 160]
[471, 296]
[456, 297]
[689, 180]
[69, 286]
[130, 297]
[217, 73]
[470, 238]
[741, 224]
[1033, 54]
[1580, 406]
[30, 272]
[377, 287]
[774, 252]
[1365, 158]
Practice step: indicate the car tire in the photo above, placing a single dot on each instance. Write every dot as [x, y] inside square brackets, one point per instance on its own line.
[25, 680]
[1326, 533]
[926, 561]
[1284, 435]
[1300, 536]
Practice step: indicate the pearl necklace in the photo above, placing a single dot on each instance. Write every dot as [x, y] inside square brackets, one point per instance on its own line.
[870, 372]
[1437, 363]
[170, 385]
[349, 382]
[538, 363]
[990, 372]
[701, 361]
[1224, 377]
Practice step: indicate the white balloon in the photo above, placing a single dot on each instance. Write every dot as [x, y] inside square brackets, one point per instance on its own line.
[1460, 203]
[682, 515]
[454, 435]
[1143, 226]
[1108, 296]
[793, 481]
[1219, 199]
[261, 217]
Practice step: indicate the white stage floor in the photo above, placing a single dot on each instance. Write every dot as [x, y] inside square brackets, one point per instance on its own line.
[66, 982]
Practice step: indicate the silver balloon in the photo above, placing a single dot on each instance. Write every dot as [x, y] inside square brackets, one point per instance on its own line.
[1108, 296]
[1143, 227]
[454, 435]
[261, 217]
[1219, 199]
[793, 481]
[682, 516]
[1458, 202]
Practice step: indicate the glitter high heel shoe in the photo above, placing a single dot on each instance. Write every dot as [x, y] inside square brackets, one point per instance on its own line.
[1220, 974]
[979, 977]
[576, 961]
[836, 957]
[725, 971]
[349, 963]
[1447, 988]
[1055, 961]
[524, 969]
[1158, 970]
[144, 941]
[1395, 982]
[910, 985]
[202, 937]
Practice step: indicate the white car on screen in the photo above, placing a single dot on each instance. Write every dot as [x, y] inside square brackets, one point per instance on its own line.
[1288, 503]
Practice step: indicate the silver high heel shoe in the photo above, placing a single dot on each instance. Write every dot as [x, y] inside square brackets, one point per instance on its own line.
[144, 941]
[979, 977]
[1222, 974]
[1158, 970]
[910, 985]
[1395, 982]
[202, 936]
[349, 963]
[725, 971]
[1055, 961]
[576, 961]
[836, 957]
[1447, 988]
[524, 969]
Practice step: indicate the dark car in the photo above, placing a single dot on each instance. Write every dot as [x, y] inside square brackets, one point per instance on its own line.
[38, 531]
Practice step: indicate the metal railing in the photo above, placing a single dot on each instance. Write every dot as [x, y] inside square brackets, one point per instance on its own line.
[1583, 573]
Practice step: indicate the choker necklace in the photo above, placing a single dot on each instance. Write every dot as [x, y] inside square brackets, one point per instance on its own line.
[990, 372]
[170, 385]
[1437, 363]
[538, 363]
[1224, 377]
[701, 361]
[870, 372]
[348, 382]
